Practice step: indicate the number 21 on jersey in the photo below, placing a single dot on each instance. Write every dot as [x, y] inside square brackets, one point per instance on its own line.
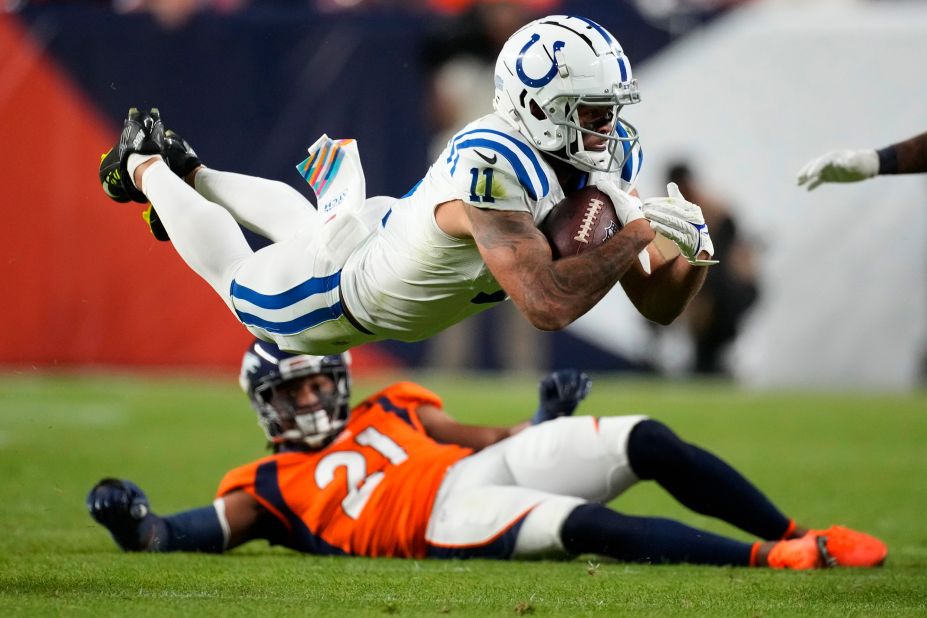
[360, 486]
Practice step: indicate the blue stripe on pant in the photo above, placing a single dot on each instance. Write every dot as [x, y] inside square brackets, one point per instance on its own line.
[310, 287]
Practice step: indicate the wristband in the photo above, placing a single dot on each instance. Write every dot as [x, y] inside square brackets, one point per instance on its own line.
[888, 160]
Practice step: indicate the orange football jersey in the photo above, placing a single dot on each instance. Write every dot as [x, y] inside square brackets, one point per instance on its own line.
[368, 493]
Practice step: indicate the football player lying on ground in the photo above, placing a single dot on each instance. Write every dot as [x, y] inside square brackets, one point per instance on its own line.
[396, 476]
[464, 239]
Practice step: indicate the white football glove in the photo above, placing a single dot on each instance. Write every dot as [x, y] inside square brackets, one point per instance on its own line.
[839, 166]
[627, 207]
[682, 222]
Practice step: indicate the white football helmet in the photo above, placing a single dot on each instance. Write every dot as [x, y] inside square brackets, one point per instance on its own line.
[551, 67]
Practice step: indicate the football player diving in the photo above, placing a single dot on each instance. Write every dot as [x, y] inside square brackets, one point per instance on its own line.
[463, 239]
[396, 476]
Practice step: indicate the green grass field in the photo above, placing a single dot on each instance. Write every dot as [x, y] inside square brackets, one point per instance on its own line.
[855, 459]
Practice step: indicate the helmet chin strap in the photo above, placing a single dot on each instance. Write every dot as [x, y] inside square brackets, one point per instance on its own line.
[593, 159]
[609, 159]
[581, 159]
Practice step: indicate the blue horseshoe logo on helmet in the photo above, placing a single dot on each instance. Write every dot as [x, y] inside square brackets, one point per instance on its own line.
[544, 79]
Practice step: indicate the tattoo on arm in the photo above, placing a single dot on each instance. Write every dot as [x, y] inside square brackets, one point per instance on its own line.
[550, 293]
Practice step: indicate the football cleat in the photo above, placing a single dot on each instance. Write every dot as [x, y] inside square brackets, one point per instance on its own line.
[851, 548]
[179, 154]
[110, 176]
[154, 224]
[142, 133]
[807, 552]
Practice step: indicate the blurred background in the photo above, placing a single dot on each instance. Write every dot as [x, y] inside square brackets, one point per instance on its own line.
[825, 289]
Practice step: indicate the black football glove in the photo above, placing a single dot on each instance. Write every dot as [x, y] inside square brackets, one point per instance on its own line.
[560, 393]
[122, 507]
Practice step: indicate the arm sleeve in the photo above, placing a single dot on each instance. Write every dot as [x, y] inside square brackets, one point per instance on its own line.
[204, 530]
[197, 530]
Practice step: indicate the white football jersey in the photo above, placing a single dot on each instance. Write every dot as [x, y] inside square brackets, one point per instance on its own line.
[410, 280]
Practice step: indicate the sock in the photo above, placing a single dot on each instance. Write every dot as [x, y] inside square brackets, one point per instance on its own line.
[270, 208]
[754, 553]
[702, 481]
[134, 161]
[204, 234]
[596, 529]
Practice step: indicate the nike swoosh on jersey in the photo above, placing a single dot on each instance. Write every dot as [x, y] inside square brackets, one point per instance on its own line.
[524, 159]
[484, 299]
[491, 161]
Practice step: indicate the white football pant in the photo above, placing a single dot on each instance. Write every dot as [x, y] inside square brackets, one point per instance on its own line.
[534, 479]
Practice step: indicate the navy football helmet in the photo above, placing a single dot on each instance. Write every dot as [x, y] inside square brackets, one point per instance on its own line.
[266, 371]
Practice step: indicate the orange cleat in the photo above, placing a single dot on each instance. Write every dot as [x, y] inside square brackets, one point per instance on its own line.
[799, 554]
[835, 546]
[850, 548]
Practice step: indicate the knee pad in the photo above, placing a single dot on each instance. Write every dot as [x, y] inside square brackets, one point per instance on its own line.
[654, 448]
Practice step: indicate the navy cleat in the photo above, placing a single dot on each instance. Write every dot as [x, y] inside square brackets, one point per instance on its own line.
[111, 178]
[142, 133]
[179, 154]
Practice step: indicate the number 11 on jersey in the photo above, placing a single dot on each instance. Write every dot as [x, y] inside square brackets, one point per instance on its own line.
[486, 197]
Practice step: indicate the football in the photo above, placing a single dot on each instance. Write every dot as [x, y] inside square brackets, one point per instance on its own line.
[582, 220]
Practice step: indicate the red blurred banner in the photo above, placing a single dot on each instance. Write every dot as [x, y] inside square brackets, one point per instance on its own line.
[85, 282]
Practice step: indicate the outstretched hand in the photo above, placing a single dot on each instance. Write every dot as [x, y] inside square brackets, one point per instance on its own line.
[121, 506]
[839, 166]
[560, 393]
